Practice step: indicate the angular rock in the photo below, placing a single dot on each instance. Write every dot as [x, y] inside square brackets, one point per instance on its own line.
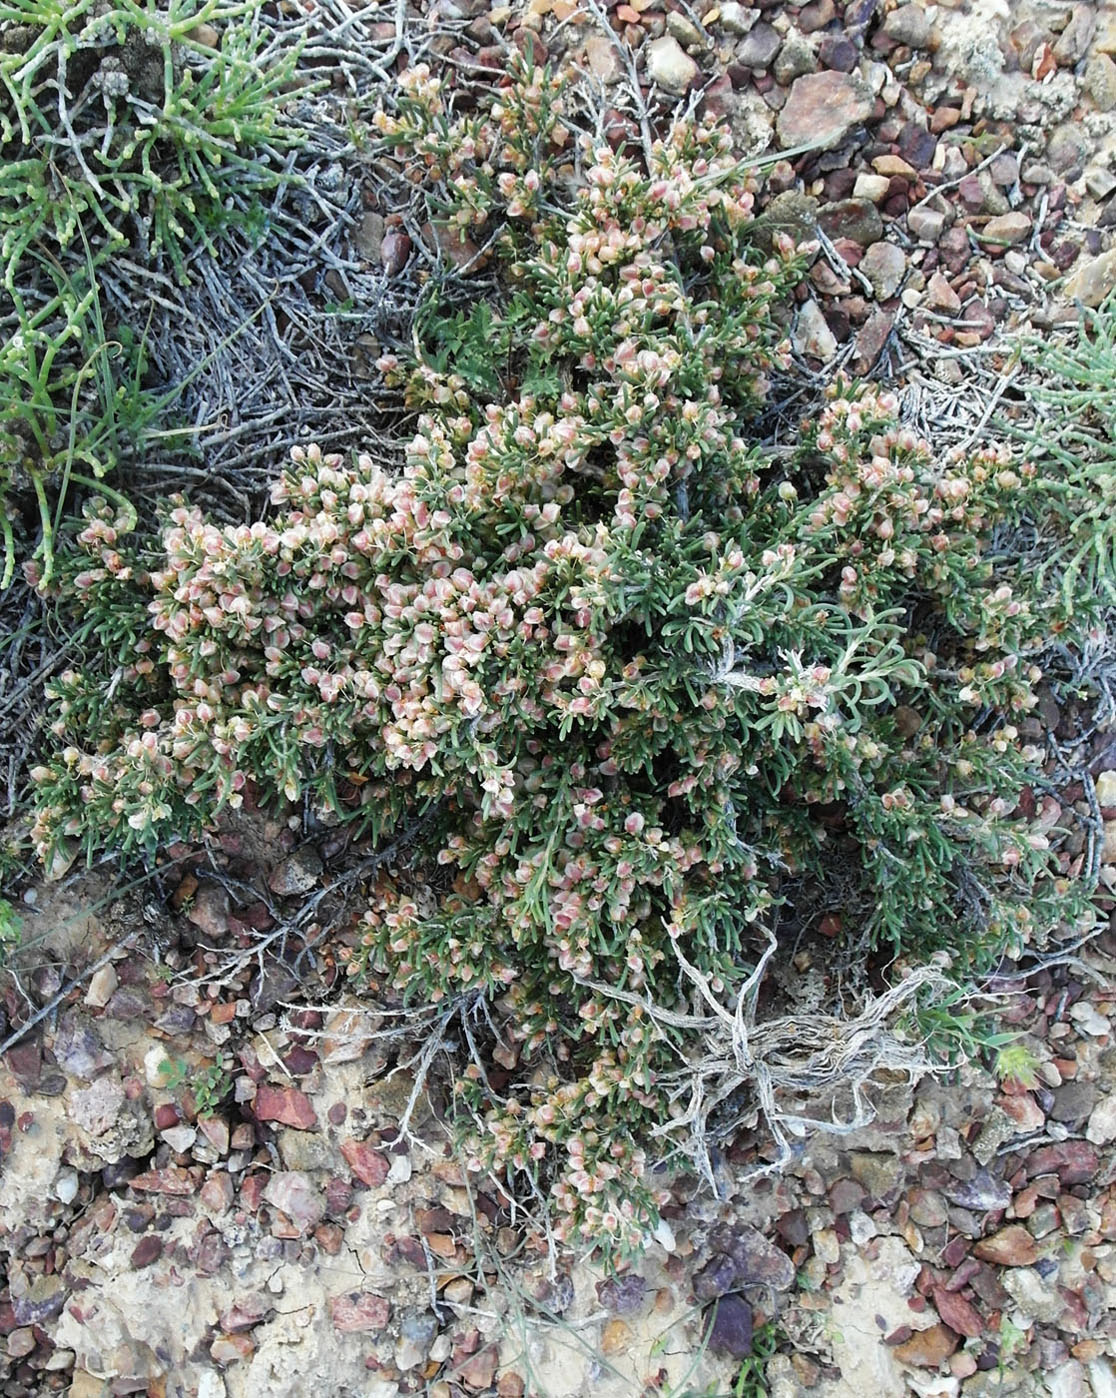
[1101, 1130]
[670, 67]
[758, 1261]
[856, 219]
[812, 336]
[42, 1301]
[146, 1251]
[926, 224]
[95, 1108]
[730, 1327]
[884, 265]
[369, 1166]
[246, 1312]
[292, 1192]
[286, 1105]
[102, 986]
[910, 25]
[1074, 1162]
[298, 873]
[1006, 230]
[926, 1349]
[1012, 1246]
[737, 19]
[479, 1369]
[79, 1049]
[958, 1314]
[983, 1192]
[821, 109]
[759, 48]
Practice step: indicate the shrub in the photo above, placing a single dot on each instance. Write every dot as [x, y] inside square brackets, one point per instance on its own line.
[649, 684]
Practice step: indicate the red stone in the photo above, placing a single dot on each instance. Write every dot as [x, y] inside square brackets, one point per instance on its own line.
[958, 1314]
[359, 1312]
[368, 1165]
[286, 1105]
[169, 1181]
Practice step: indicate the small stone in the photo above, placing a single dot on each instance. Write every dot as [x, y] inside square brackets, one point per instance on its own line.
[759, 1262]
[958, 1314]
[146, 1251]
[926, 224]
[209, 912]
[96, 1108]
[821, 109]
[1073, 42]
[395, 251]
[858, 220]
[684, 30]
[416, 1335]
[286, 1105]
[816, 15]
[881, 1175]
[623, 1295]
[910, 25]
[78, 1049]
[884, 264]
[369, 1166]
[227, 1349]
[1007, 229]
[926, 1349]
[602, 58]
[759, 47]
[1037, 1299]
[737, 19]
[292, 1192]
[1012, 1246]
[1101, 1130]
[21, 1343]
[42, 1301]
[298, 873]
[730, 1328]
[874, 188]
[670, 67]
[940, 296]
[180, 1138]
[616, 1337]
[66, 1186]
[1074, 1162]
[1099, 82]
[246, 1312]
[478, 1371]
[927, 1208]
[359, 1312]
[217, 1192]
[795, 58]
[812, 336]
[102, 985]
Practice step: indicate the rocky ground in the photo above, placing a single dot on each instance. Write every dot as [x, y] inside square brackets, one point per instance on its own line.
[215, 1176]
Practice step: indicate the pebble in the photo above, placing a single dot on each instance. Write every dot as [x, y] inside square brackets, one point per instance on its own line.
[1101, 1130]
[102, 985]
[286, 1105]
[369, 1166]
[884, 264]
[1007, 229]
[812, 336]
[292, 1192]
[737, 19]
[926, 224]
[416, 1335]
[795, 58]
[759, 46]
[910, 25]
[670, 67]
[298, 873]
[1012, 1246]
[821, 109]
[731, 1329]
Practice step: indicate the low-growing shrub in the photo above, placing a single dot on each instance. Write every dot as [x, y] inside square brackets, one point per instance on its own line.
[653, 688]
